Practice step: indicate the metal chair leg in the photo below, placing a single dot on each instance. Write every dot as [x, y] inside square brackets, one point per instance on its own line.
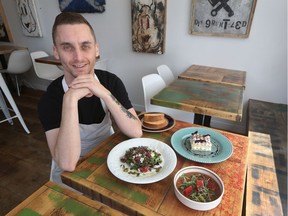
[17, 85]
[5, 109]
[12, 103]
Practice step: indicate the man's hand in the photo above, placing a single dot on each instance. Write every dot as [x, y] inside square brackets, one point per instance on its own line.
[89, 83]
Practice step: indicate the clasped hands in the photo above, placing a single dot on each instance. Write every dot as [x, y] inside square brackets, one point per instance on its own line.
[86, 85]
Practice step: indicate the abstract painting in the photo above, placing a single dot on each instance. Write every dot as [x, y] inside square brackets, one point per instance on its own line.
[82, 6]
[148, 26]
[28, 17]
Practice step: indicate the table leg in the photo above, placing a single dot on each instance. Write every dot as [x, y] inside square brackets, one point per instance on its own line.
[202, 120]
[3, 61]
[207, 121]
[198, 119]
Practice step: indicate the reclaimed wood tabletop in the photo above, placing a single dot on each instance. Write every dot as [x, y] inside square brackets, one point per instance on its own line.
[52, 199]
[51, 60]
[48, 60]
[215, 75]
[93, 178]
[206, 98]
[262, 192]
[8, 48]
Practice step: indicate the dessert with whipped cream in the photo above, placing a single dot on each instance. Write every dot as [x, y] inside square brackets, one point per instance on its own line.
[200, 142]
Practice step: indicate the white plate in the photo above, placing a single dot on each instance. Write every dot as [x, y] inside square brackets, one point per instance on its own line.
[168, 156]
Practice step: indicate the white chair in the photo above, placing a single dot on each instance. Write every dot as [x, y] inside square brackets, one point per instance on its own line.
[5, 109]
[3, 105]
[19, 62]
[165, 72]
[152, 84]
[45, 71]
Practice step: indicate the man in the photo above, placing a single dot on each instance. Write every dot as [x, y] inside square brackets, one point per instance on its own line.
[75, 110]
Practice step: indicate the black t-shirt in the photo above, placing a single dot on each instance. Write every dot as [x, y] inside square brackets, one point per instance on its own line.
[90, 109]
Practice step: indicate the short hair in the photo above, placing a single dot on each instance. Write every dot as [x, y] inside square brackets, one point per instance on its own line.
[70, 18]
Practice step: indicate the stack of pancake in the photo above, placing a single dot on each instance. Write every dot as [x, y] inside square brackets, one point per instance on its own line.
[154, 120]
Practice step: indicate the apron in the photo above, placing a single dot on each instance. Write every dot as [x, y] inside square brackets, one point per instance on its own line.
[91, 136]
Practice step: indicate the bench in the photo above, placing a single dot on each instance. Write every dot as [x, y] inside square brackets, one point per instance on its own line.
[266, 191]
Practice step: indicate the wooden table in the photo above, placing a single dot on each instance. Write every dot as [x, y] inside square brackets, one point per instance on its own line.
[7, 49]
[215, 75]
[52, 199]
[206, 98]
[48, 60]
[93, 178]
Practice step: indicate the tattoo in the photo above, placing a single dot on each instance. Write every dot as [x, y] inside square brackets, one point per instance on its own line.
[129, 115]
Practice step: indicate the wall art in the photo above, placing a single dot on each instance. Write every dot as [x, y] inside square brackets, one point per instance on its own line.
[5, 33]
[27, 13]
[82, 6]
[148, 26]
[227, 18]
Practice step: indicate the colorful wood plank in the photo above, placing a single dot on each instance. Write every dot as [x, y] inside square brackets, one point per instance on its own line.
[267, 125]
[52, 199]
[206, 98]
[215, 75]
[263, 196]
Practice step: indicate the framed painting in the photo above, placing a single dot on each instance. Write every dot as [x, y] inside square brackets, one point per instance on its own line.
[82, 6]
[28, 17]
[226, 18]
[5, 33]
[148, 26]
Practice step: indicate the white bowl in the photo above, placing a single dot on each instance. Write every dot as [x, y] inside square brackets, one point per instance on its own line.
[201, 206]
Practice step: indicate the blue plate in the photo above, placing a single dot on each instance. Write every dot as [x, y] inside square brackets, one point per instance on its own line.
[222, 148]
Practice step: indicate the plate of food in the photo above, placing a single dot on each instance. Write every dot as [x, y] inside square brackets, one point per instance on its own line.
[202, 145]
[141, 160]
[156, 121]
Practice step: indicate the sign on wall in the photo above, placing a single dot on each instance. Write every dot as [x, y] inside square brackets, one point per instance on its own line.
[148, 26]
[82, 6]
[230, 18]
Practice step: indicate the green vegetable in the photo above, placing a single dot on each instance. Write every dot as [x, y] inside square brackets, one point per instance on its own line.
[141, 160]
[196, 188]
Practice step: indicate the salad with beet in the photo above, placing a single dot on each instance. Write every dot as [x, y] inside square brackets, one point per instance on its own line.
[198, 187]
[141, 161]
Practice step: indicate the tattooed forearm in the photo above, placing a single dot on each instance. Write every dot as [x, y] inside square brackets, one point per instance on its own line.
[129, 115]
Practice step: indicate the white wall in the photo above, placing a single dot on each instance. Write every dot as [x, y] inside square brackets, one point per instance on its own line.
[263, 55]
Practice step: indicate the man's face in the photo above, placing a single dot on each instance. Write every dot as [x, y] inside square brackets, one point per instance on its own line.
[76, 48]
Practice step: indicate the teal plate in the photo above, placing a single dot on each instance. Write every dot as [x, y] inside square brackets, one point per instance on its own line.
[222, 148]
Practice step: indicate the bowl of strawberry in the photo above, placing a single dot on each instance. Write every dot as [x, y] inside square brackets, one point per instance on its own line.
[198, 188]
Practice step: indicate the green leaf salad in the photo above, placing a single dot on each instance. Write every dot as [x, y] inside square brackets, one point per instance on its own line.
[141, 161]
